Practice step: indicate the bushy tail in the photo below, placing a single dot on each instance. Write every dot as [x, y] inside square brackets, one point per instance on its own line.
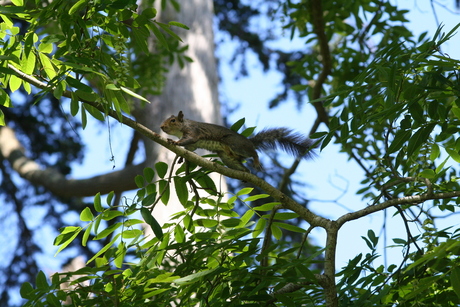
[292, 142]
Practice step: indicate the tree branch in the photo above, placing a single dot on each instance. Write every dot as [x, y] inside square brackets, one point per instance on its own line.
[287, 202]
[54, 181]
[393, 202]
[319, 29]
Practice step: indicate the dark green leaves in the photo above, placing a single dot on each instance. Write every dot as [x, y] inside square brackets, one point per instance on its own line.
[419, 138]
[149, 219]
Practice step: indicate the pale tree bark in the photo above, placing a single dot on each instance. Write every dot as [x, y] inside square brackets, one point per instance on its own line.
[192, 89]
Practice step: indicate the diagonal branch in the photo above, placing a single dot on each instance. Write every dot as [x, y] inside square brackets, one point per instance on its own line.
[287, 202]
[393, 202]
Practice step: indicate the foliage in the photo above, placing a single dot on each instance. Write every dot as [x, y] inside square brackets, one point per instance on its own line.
[81, 50]
[208, 254]
[392, 107]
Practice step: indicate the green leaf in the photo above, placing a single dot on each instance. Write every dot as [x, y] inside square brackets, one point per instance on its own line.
[110, 215]
[399, 241]
[149, 174]
[232, 199]
[5, 100]
[455, 280]
[109, 198]
[86, 235]
[52, 300]
[86, 215]
[371, 235]
[120, 255]
[208, 223]
[97, 202]
[41, 282]
[129, 92]
[435, 152]
[236, 126]
[230, 223]
[419, 138]
[74, 105]
[162, 169]
[2, 118]
[150, 220]
[244, 191]
[400, 138]
[246, 217]
[91, 97]
[77, 7]
[12, 9]
[266, 207]
[178, 24]
[48, 67]
[149, 200]
[441, 166]
[193, 277]
[14, 83]
[66, 237]
[248, 131]
[453, 154]
[164, 190]
[132, 222]
[179, 234]
[168, 30]
[28, 62]
[180, 185]
[276, 231]
[256, 197]
[104, 249]
[427, 173]
[285, 215]
[416, 111]
[159, 35]
[139, 180]
[108, 231]
[206, 183]
[78, 84]
[259, 228]
[289, 227]
[149, 13]
[27, 291]
[84, 119]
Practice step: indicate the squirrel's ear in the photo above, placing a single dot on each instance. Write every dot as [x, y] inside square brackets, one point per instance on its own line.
[180, 116]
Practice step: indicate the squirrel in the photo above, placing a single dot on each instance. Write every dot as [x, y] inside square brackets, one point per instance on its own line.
[232, 147]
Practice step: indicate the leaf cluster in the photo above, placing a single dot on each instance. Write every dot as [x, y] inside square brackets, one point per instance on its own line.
[87, 50]
[207, 254]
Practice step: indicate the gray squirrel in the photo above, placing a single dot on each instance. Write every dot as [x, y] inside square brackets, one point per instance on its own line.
[232, 147]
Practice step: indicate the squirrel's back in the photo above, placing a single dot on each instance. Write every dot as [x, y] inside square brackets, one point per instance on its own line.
[232, 147]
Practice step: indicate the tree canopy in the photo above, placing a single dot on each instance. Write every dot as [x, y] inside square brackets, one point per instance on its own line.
[388, 99]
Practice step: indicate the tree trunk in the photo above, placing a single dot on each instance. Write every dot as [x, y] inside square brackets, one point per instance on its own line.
[192, 89]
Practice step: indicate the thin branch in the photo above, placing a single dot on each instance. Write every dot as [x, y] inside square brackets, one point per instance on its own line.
[326, 59]
[393, 202]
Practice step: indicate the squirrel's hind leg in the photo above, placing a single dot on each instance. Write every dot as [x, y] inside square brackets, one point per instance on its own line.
[232, 162]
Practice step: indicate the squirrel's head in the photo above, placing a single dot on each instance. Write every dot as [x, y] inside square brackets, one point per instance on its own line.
[172, 125]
